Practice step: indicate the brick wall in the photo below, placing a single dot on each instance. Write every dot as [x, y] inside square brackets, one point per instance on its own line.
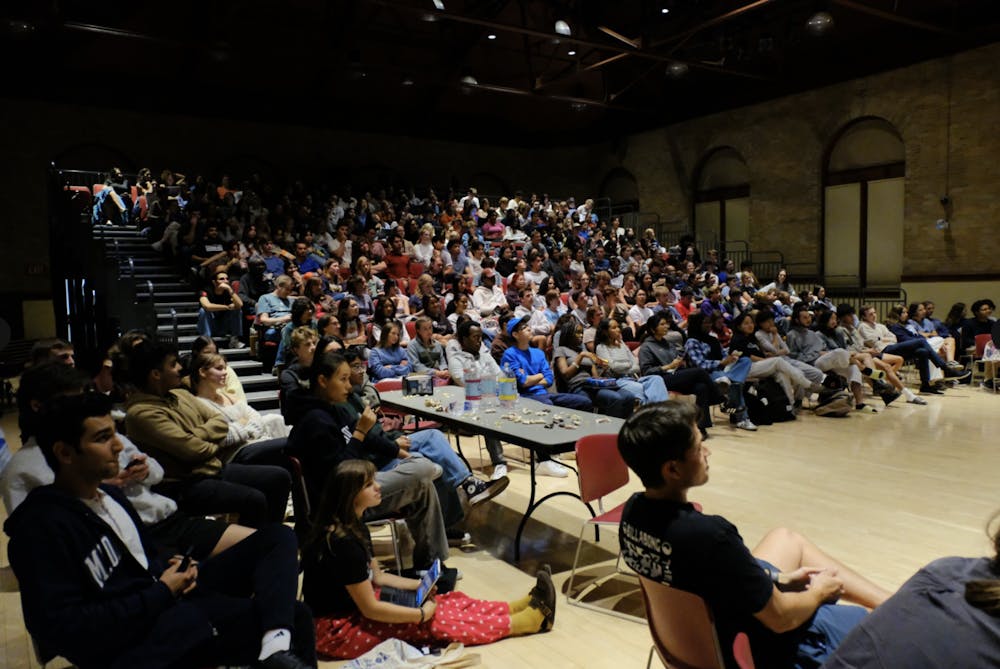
[784, 141]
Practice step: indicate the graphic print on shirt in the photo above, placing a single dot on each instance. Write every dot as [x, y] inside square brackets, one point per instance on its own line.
[103, 559]
[646, 553]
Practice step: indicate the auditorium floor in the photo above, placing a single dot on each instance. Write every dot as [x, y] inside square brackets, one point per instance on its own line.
[885, 493]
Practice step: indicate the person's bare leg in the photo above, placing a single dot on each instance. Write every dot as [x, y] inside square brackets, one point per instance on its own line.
[890, 373]
[858, 390]
[788, 550]
[895, 361]
[948, 349]
[232, 536]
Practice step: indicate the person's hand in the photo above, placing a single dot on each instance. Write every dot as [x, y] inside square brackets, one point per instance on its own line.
[798, 580]
[133, 474]
[403, 442]
[442, 374]
[367, 420]
[826, 583]
[402, 454]
[180, 583]
[428, 607]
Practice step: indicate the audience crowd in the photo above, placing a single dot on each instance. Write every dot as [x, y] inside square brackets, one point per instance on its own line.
[342, 295]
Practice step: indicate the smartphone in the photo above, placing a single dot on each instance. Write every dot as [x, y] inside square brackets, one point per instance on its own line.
[186, 559]
[134, 463]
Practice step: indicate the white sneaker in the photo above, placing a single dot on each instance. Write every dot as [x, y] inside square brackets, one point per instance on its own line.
[551, 468]
[746, 424]
[499, 471]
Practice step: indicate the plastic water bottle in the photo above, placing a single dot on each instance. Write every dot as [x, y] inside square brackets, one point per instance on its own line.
[473, 388]
[489, 388]
[508, 388]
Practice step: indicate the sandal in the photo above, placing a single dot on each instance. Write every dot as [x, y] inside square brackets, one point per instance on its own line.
[543, 598]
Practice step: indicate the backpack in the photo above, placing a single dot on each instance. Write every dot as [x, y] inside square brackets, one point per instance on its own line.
[767, 404]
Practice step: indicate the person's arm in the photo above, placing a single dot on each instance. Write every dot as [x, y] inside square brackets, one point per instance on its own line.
[789, 609]
[380, 368]
[695, 352]
[71, 622]
[363, 596]
[156, 428]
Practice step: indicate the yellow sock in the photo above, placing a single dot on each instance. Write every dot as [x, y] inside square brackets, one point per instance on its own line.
[528, 621]
[519, 605]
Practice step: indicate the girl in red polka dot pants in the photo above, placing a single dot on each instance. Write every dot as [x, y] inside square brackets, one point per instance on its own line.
[342, 582]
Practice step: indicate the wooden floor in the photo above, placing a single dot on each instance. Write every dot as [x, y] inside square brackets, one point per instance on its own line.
[885, 493]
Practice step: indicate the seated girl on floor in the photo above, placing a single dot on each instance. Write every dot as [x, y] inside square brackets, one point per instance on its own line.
[342, 583]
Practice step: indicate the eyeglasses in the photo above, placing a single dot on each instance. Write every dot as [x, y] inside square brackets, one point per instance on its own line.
[358, 368]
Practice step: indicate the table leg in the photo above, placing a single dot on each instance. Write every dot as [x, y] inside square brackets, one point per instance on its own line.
[532, 505]
[458, 447]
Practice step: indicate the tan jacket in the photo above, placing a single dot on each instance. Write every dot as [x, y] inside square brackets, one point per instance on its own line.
[179, 431]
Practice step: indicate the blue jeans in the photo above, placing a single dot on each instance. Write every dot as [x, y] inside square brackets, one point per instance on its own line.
[736, 373]
[217, 323]
[577, 401]
[433, 445]
[646, 389]
[922, 354]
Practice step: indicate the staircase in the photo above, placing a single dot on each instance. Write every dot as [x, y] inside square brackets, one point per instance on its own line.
[176, 306]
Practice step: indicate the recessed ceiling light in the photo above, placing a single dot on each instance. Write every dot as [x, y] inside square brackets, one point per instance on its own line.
[408, 81]
[665, 11]
[571, 52]
[562, 28]
[439, 5]
[491, 36]
[469, 80]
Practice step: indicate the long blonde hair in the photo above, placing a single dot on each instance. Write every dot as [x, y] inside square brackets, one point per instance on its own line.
[985, 593]
[200, 362]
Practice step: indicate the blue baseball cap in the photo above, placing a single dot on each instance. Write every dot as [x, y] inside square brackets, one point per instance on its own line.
[513, 323]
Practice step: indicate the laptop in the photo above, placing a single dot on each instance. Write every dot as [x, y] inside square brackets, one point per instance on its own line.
[413, 598]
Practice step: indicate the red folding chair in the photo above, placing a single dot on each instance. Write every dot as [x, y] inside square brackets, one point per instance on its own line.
[683, 630]
[601, 472]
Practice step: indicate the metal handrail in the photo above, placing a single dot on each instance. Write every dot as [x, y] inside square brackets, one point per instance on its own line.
[173, 322]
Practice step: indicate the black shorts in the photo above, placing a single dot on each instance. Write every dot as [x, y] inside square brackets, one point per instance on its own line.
[177, 532]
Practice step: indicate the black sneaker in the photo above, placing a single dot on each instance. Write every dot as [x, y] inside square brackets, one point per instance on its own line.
[890, 396]
[478, 490]
[956, 374]
[930, 390]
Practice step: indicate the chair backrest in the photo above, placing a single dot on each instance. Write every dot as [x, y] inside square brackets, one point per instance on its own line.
[602, 469]
[633, 345]
[299, 481]
[981, 341]
[415, 269]
[411, 329]
[385, 385]
[682, 627]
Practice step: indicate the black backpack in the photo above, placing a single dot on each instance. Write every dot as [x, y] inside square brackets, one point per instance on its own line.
[767, 403]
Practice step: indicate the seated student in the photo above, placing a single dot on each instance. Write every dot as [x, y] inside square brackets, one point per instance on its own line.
[918, 324]
[945, 615]
[623, 365]
[427, 355]
[430, 443]
[807, 345]
[138, 473]
[52, 349]
[203, 344]
[274, 309]
[326, 433]
[882, 339]
[982, 322]
[207, 377]
[532, 370]
[467, 351]
[342, 583]
[662, 353]
[94, 589]
[220, 311]
[575, 367]
[780, 594]
[388, 360]
[729, 369]
[294, 378]
[198, 448]
[303, 315]
[385, 312]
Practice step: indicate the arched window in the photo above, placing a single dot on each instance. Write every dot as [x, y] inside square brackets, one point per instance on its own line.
[619, 185]
[864, 173]
[722, 199]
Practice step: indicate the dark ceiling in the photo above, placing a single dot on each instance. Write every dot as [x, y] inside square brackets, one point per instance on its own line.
[398, 65]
